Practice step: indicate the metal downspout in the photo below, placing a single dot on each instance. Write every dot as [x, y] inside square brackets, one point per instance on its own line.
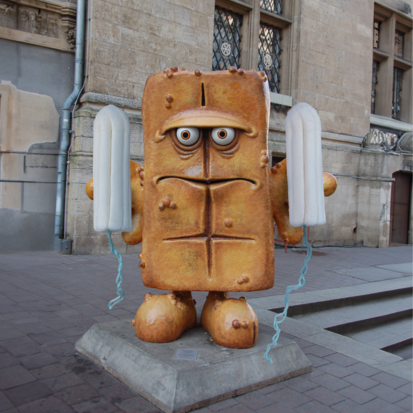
[65, 128]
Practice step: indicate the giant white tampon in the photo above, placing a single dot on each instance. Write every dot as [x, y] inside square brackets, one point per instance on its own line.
[304, 166]
[111, 171]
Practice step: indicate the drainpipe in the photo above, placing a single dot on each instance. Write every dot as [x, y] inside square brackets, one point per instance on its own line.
[60, 244]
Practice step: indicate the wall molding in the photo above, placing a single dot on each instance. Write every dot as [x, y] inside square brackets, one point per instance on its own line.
[390, 123]
[49, 24]
[34, 39]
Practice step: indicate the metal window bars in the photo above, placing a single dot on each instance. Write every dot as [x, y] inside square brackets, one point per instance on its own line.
[269, 50]
[275, 6]
[376, 66]
[227, 39]
[397, 88]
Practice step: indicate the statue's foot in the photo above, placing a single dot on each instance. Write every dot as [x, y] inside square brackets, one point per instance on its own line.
[230, 321]
[163, 318]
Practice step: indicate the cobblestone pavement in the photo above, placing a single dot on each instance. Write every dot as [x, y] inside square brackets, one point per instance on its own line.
[47, 301]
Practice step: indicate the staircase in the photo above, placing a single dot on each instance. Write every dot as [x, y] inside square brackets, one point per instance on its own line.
[378, 314]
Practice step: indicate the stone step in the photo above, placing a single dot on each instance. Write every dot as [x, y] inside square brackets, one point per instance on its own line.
[350, 318]
[320, 300]
[388, 336]
[377, 314]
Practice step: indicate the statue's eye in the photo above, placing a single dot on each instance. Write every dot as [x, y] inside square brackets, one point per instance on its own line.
[187, 136]
[223, 136]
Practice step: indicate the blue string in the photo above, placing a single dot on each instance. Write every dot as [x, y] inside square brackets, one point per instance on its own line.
[279, 318]
[121, 294]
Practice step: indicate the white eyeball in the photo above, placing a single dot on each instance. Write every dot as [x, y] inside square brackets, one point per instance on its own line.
[223, 136]
[187, 136]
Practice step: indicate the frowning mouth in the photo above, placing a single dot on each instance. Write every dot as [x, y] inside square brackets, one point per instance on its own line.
[205, 181]
[205, 237]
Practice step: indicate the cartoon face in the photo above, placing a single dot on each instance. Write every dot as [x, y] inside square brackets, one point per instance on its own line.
[207, 221]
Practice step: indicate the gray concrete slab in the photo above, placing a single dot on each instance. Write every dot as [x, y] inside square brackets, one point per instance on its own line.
[175, 385]
[385, 335]
[402, 368]
[370, 273]
[351, 348]
[405, 268]
[390, 340]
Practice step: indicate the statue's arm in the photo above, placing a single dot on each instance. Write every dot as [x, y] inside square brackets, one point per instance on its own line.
[279, 204]
[134, 236]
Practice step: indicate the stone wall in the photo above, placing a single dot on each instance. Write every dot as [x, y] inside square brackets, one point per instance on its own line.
[132, 39]
[330, 68]
[326, 62]
[333, 69]
[357, 214]
[36, 77]
[27, 168]
[128, 41]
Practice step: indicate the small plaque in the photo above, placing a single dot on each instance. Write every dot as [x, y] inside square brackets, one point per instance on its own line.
[189, 355]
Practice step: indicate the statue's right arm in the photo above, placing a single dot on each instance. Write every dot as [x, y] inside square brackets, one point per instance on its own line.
[134, 236]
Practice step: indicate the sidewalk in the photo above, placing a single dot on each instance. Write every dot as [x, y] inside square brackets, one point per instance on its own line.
[48, 301]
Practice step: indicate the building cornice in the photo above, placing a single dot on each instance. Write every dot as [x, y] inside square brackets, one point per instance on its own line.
[45, 23]
[390, 123]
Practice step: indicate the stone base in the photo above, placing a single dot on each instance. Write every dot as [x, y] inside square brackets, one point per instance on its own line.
[176, 385]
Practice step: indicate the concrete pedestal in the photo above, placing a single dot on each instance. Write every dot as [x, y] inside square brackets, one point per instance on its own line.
[176, 385]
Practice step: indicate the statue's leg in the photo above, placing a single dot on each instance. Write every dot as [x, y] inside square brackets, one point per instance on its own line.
[163, 318]
[230, 321]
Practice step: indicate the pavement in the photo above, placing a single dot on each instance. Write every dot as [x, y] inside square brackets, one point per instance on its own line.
[48, 301]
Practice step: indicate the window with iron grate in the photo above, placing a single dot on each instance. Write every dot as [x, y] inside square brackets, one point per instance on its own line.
[269, 50]
[227, 39]
[397, 88]
[275, 6]
[376, 66]
[391, 87]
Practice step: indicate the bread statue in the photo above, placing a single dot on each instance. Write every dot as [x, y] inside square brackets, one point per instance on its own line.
[203, 205]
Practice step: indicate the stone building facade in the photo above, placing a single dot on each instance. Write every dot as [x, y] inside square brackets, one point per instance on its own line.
[36, 76]
[319, 52]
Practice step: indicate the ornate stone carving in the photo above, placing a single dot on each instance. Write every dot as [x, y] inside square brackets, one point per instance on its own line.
[71, 37]
[6, 8]
[405, 143]
[44, 18]
[8, 15]
[377, 139]
[38, 22]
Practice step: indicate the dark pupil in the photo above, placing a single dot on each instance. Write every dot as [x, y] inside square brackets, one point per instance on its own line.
[222, 134]
[185, 135]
